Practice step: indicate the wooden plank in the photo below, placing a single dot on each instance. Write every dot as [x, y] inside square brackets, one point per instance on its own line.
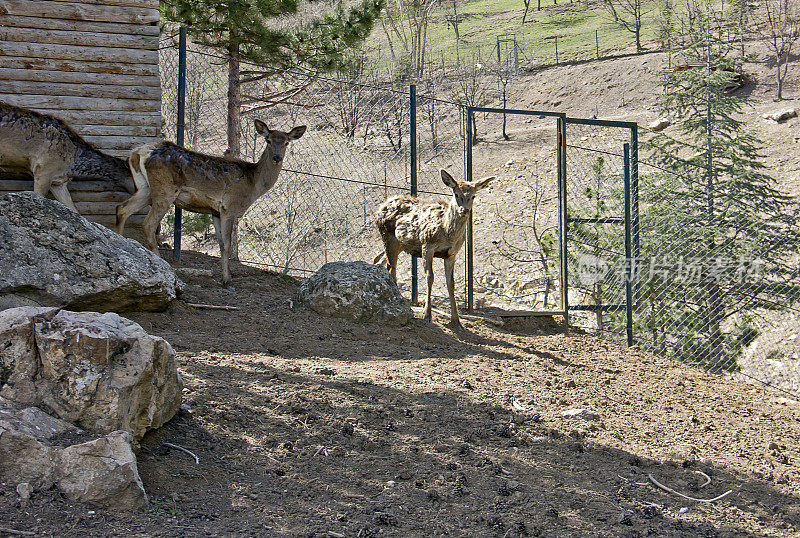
[106, 117]
[84, 39]
[79, 11]
[12, 21]
[110, 221]
[74, 186]
[150, 131]
[126, 143]
[122, 154]
[81, 66]
[78, 77]
[134, 3]
[81, 103]
[99, 208]
[79, 90]
[74, 52]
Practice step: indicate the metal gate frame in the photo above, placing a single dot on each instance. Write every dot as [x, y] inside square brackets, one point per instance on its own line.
[630, 218]
[561, 172]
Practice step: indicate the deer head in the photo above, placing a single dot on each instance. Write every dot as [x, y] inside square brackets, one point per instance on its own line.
[464, 191]
[277, 141]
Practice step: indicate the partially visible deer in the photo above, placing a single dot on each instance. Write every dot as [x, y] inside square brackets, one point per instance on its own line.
[222, 187]
[429, 229]
[54, 154]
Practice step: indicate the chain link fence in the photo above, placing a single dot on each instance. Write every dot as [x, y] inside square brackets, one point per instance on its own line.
[354, 154]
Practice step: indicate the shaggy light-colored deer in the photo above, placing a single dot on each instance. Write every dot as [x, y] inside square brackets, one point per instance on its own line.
[429, 229]
[220, 186]
[54, 154]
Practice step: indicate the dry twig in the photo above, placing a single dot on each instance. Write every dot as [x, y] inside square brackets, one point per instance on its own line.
[670, 490]
[212, 306]
[704, 475]
[176, 447]
[4, 530]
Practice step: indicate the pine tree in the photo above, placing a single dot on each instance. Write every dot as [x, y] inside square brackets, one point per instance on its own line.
[716, 212]
[252, 30]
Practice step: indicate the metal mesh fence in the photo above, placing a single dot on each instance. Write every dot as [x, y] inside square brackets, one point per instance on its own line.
[354, 154]
[720, 294]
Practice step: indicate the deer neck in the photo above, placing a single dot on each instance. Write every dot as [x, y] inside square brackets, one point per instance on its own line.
[265, 174]
[457, 216]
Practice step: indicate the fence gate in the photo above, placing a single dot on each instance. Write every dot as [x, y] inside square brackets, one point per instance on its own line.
[520, 241]
[602, 226]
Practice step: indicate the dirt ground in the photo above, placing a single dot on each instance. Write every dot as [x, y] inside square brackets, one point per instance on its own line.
[312, 426]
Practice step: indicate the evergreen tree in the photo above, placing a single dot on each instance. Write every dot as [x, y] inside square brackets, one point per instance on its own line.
[718, 219]
[256, 31]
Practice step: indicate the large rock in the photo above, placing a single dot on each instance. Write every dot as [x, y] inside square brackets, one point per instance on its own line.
[51, 256]
[357, 291]
[38, 451]
[100, 371]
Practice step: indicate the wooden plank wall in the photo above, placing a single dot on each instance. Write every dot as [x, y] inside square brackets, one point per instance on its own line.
[92, 63]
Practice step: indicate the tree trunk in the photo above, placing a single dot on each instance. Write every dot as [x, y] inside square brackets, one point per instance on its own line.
[234, 102]
[780, 78]
[234, 127]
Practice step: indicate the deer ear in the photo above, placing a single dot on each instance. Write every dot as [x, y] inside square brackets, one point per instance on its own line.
[297, 132]
[484, 182]
[261, 127]
[448, 180]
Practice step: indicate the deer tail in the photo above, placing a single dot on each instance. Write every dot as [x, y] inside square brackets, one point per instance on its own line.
[136, 162]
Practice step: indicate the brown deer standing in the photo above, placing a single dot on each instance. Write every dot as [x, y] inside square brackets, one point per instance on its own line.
[429, 229]
[222, 187]
[54, 154]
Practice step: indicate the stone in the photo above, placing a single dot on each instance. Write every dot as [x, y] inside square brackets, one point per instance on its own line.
[39, 451]
[357, 291]
[51, 256]
[781, 116]
[322, 370]
[97, 370]
[580, 414]
[659, 125]
[102, 473]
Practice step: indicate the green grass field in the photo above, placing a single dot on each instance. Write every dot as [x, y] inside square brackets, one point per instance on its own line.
[582, 31]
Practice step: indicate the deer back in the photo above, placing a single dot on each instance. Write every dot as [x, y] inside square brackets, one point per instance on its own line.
[29, 138]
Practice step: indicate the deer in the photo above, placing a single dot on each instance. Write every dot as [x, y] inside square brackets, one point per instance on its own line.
[429, 229]
[223, 187]
[54, 154]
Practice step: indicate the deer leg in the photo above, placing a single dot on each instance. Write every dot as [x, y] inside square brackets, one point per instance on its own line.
[158, 208]
[449, 266]
[427, 256]
[392, 252]
[131, 206]
[225, 233]
[61, 193]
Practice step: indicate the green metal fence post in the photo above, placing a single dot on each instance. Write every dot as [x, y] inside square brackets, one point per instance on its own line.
[628, 248]
[412, 91]
[180, 128]
[470, 268]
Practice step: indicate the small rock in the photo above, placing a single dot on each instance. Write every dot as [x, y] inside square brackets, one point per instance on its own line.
[24, 491]
[322, 370]
[774, 446]
[570, 384]
[580, 414]
[391, 484]
[781, 116]
[659, 125]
